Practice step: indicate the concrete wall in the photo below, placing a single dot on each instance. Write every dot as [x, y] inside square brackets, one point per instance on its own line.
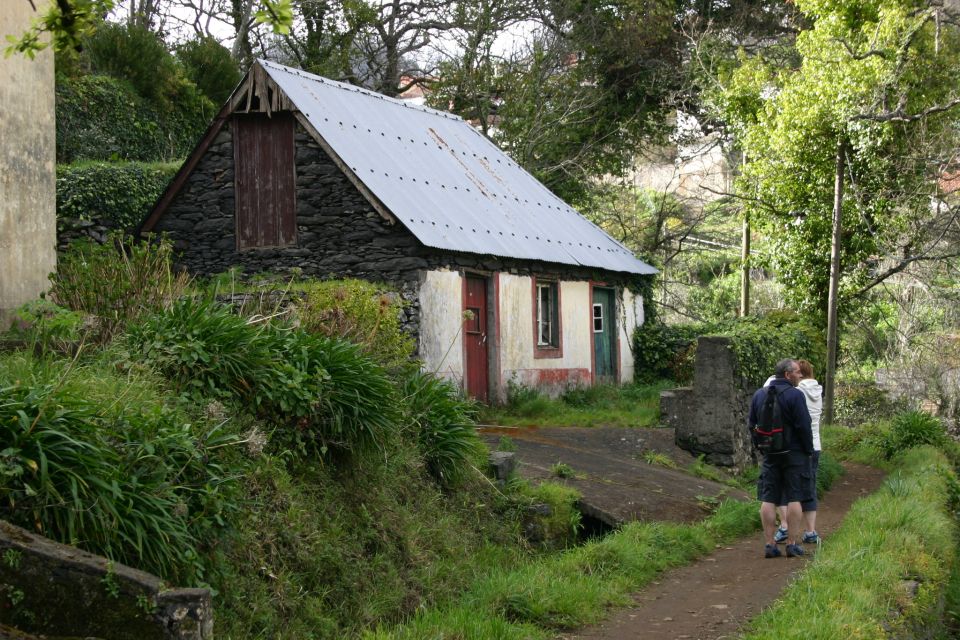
[28, 221]
[56, 590]
[710, 418]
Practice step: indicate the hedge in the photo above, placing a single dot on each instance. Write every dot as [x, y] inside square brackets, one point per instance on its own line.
[103, 118]
[120, 192]
[668, 351]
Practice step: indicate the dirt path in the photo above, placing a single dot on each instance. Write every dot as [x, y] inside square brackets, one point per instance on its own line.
[714, 597]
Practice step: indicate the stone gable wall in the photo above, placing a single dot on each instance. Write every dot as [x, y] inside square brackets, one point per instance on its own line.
[339, 233]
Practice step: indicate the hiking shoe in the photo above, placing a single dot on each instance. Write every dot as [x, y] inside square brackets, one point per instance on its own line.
[794, 550]
[771, 551]
[810, 537]
[781, 535]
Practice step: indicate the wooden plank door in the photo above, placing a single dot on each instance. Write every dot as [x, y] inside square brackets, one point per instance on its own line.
[265, 181]
[604, 329]
[475, 338]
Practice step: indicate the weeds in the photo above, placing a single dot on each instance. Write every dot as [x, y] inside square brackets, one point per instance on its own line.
[660, 459]
[118, 282]
[608, 405]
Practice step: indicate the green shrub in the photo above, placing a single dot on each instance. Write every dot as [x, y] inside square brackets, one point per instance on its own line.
[361, 312]
[325, 391]
[663, 351]
[103, 118]
[444, 423]
[90, 459]
[122, 193]
[118, 281]
[759, 342]
[208, 64]
[913, 429]
[45, 326]
[857, 403]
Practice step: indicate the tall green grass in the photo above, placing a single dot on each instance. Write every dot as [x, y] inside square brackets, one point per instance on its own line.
[856, 586]
[632, 405]
[92, 458]
[538, 597]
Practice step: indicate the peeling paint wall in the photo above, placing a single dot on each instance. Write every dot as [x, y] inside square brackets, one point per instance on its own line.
[441, 339]
[630, 316]
[517, 361]
[28, 222]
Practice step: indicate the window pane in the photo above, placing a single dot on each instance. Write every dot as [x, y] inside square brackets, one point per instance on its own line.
[598, 318]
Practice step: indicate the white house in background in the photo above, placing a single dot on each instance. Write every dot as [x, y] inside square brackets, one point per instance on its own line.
[504, 281]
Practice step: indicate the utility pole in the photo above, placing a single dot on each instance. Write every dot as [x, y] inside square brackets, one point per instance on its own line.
[745, 268]
[834, 285]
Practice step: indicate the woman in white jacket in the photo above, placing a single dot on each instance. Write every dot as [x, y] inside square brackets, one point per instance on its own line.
[813, 393]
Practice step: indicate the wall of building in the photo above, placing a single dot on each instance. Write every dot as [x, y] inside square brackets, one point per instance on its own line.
[28, 220]
[517, 352]
[340, 234]
[629, 317]
[440, 342]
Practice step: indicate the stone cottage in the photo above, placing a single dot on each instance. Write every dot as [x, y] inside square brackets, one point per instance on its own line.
[505, 282]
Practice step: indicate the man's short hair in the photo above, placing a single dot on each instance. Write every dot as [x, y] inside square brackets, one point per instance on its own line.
[787, 364]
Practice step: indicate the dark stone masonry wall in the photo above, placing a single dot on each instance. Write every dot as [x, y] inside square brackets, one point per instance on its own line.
[339, 233]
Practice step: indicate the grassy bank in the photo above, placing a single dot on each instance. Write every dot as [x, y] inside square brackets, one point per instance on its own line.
[537, 597]
[885, 571]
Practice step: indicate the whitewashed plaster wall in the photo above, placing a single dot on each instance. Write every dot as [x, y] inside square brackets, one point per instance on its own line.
[441, 321]
[517, 361]
[630, 316]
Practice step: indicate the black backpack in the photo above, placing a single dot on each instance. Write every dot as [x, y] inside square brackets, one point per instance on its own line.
[770, 434]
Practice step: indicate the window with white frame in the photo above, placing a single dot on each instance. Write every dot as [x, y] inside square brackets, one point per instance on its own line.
[548, 315]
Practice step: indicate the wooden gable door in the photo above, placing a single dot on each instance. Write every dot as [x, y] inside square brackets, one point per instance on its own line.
[604, 327]
[263, 153]
[477, 362]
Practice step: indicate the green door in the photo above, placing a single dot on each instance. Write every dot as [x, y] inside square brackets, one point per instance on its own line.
[604, 336]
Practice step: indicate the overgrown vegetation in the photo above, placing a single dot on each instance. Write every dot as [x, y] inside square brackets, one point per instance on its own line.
[121, 193]
[668, 351]
[609, 405]
[537, 599]
[856, 587]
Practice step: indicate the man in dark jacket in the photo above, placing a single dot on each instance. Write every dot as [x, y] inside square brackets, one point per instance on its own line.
[786, 473]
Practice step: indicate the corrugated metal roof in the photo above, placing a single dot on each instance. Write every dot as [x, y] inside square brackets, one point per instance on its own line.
[447, 183]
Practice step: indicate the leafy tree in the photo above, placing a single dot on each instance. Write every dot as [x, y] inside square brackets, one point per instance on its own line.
[208, 64]
[875, 81]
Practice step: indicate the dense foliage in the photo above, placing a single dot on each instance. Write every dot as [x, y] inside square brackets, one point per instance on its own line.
[117, 281]
[758, 342]
[121, 193]
[95, 458]
[367, 314]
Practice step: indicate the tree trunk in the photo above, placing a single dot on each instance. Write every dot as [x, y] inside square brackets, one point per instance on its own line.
[828, 382]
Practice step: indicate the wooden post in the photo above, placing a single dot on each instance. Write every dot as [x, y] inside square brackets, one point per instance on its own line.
[828, 382]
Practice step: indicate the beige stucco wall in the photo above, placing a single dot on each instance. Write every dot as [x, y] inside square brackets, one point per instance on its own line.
[629, 317]
[28, 225]
[517, 361]
[441, 340]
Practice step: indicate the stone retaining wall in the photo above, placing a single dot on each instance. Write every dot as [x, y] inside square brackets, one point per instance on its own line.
[53, 589]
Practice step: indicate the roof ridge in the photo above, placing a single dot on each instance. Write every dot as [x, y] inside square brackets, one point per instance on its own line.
[346, 86]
